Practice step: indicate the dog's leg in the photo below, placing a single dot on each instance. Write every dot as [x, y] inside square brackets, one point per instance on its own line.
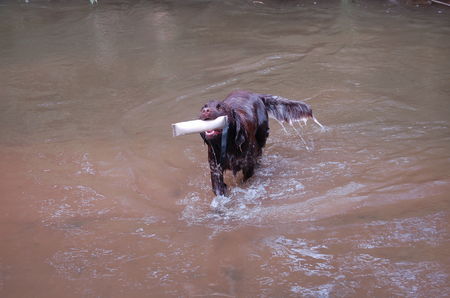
[218, 186]
[248, 172]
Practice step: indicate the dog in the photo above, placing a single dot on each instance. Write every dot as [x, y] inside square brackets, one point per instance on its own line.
[238, 145]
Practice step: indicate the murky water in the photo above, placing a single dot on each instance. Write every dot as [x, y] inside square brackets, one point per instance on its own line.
[99, 200]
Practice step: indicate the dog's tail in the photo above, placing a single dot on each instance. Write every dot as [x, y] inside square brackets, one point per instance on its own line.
[286, 110]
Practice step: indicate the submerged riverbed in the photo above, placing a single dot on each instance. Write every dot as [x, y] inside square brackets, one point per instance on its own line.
[99, 200]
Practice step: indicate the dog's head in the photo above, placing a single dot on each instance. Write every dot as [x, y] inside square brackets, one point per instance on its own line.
[211, 111]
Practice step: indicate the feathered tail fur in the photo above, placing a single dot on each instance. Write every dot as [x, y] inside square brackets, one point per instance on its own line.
[286, 110]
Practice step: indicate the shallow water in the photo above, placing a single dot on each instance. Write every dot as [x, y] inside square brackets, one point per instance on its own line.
[99, 200]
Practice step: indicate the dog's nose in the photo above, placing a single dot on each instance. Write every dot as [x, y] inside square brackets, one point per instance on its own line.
[206, 110]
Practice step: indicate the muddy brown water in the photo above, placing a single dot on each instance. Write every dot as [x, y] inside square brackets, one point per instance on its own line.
[99, 200]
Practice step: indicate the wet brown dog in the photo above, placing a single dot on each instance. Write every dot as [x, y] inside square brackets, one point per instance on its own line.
[238, 146]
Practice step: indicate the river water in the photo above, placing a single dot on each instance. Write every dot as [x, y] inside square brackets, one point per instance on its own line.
[99, 200]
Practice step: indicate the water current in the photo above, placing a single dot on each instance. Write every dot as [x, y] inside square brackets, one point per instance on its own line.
[99, 200]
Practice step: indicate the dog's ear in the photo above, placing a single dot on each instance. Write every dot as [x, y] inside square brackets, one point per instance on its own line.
[240, 130]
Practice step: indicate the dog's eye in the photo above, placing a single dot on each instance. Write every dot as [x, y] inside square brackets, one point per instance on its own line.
[218, 106]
